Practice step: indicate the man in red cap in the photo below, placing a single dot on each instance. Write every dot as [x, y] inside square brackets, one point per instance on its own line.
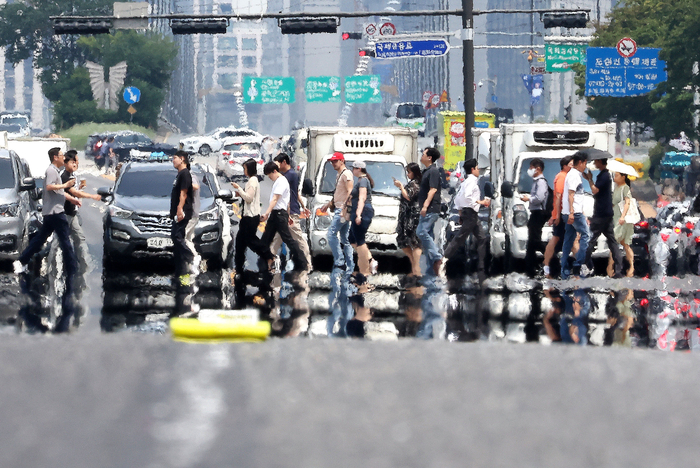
[341, 248]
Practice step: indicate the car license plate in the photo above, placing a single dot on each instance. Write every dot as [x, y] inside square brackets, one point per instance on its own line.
[372, 238]
[159, 242]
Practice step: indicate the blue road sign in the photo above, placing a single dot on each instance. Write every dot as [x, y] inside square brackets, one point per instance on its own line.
[609, 74]
[421, 48]
[132, 95]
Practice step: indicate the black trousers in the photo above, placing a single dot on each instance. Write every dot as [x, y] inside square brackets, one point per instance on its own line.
[247, 238]
[470, 225]
[279, 223]
[606, 227]
[183, 255]
[534, 239]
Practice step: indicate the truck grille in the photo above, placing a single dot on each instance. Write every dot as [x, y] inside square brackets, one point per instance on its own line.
[153, 224]
[561, 137]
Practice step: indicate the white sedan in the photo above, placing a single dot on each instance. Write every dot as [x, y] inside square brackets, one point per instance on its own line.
[214, 141]
[234, 153]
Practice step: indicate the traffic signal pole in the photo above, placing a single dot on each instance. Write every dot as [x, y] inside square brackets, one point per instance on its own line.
[83, 25]
[468, 72]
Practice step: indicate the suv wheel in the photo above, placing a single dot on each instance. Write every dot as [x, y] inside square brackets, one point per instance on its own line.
[205, 150]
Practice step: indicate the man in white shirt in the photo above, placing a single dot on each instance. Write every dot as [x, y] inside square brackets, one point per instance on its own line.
[468, 201]
[572, 209]
[277, 218]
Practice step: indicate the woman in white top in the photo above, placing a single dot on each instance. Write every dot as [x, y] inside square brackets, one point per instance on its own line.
[247, 236]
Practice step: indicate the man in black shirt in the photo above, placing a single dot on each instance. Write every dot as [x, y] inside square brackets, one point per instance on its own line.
[429, 201]
[296, 207]
[181, 209]
[72, 215]
[602, 220]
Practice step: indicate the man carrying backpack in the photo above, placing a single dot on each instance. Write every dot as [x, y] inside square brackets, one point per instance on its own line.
[541, 201]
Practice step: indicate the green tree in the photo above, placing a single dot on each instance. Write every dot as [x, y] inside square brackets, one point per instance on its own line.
[25, 31]
[150, 59]
[672, 26]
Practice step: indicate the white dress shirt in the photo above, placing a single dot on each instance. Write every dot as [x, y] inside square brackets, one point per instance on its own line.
[469, 194]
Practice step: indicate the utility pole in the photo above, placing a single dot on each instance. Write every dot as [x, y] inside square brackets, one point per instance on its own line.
[468, 72]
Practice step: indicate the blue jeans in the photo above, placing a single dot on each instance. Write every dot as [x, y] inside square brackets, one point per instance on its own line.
[341, 248]
[579, 226]
[424, 231]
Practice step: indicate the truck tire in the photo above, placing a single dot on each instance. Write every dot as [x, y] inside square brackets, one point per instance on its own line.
[205, 150]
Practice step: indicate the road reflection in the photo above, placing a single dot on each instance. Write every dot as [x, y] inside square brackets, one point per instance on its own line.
[661, 314]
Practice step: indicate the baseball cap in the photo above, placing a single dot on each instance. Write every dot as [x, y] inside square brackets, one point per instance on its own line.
[359, 165]
[337, 156]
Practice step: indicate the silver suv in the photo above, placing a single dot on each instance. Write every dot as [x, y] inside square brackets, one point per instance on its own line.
[19, 218]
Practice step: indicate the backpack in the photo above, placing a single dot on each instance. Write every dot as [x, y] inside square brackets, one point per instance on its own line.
[549, 204]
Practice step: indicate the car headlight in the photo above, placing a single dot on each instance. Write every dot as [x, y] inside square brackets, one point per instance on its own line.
[519, 216]
[322, 223]
[210, 236]
[211, 215]
[9, 211]
[117, 212]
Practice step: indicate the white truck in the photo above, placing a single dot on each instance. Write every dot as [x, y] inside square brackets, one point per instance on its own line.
[386, 151]
[34, 150]
[518, 144]
[17, 124]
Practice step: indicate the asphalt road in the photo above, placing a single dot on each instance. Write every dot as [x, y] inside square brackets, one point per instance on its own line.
[93, 399]
[136, 400]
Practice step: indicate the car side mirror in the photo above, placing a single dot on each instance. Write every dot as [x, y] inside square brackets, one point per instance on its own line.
[225, 195]
[105, 193]
[27, 184]
[488, 189]
[307, 188]
[507, 189]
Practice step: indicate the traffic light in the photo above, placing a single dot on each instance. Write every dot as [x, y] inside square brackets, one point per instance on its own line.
[199, 26]
[564, 20]
[352, 35]
[368, 52]
[81, 26]
[308, 25]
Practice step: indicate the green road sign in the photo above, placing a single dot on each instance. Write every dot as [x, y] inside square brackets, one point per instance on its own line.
[268, 90]
[363, 89]
[323, 89]
[560, 57]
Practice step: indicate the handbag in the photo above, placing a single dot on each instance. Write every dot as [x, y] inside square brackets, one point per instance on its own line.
[632, 216]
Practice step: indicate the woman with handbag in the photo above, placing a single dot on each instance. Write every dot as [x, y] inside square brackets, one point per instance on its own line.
[624, 215]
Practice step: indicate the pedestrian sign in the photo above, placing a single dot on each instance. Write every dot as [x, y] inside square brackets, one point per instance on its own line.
[419, 48]
[363, 89]
[560, 57]
[608, 74]
[132, 95]
[268, 90]
[323, 89]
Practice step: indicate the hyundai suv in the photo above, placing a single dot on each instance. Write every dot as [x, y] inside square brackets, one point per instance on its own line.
[19, 218]
[137, 222]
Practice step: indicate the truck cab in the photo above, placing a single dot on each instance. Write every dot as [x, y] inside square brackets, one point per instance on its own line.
[386, 153]
[518, 145]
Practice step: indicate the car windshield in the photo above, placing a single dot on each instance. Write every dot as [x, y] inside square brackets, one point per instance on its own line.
[247, 147]
[7, 175]
[146, 184]
[205, 189]
[410, 111]
[551, 169]
[380, 171]
[21, 121]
